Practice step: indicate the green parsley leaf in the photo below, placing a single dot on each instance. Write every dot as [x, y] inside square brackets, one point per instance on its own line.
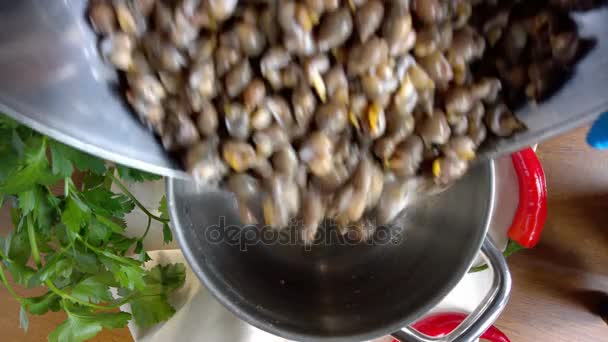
[94, 289]
[35, 165]
[91, 180]
[75, 214]
[21, 273]
[8, 122]
[17, 219]
[64, 268]
[131, 277]
[82, 161]
[17, 142]
[127, 272]
[144, 257]
[53, 201]
[41, 305]
[37, 200]
[9, 158]
[112, 224]
[162, 208]
[85, 261]
[107, 203]
[82, 324]
[139, 246]
[164, 213]
[45, 211]
[79, 237]
[122, 243]
[34, 281]
[168, 277]
[18, 244]
[48, 178]
[44, 243]
[167, 233]
[27, 201]
[49, 269]
[61, 164]
[133, 175]
[99, 233]
[153, 307]
[150, 310]
[24, 323]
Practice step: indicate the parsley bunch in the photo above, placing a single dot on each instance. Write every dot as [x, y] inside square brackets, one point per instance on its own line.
[73, 244]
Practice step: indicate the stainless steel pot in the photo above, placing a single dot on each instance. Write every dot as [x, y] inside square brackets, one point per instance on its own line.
[345, 292]
[54, 80]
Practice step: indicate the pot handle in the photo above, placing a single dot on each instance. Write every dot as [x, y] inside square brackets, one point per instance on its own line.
[485, 314]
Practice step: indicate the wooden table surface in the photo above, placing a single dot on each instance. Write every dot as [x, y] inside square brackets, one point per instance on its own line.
[560, 288]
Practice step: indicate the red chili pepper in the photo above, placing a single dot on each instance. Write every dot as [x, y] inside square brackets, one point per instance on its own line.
[531, 214]
[441, 324]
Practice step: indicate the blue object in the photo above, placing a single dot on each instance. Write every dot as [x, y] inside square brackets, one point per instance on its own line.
[598, 134]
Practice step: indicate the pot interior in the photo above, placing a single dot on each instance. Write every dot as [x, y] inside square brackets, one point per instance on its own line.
[336, 291]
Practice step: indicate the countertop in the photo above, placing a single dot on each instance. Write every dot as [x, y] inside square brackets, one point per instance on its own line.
[560, 288]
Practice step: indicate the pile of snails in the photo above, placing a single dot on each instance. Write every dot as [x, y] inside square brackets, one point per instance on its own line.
[323, 109]
[533, 46]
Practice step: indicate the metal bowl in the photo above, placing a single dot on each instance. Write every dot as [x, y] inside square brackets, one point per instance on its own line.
[54, 80]
[342, 292]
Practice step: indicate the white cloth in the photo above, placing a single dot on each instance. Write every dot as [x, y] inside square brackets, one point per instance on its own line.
[198, 316]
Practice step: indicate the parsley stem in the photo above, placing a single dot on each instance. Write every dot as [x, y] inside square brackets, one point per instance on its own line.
[64, 295]
[147, 229]
[8, 286]
[114, 257]
[137, 203]
[32, 237]
[67, 296]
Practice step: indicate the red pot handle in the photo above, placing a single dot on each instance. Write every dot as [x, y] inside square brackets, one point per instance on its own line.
[441, 324]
